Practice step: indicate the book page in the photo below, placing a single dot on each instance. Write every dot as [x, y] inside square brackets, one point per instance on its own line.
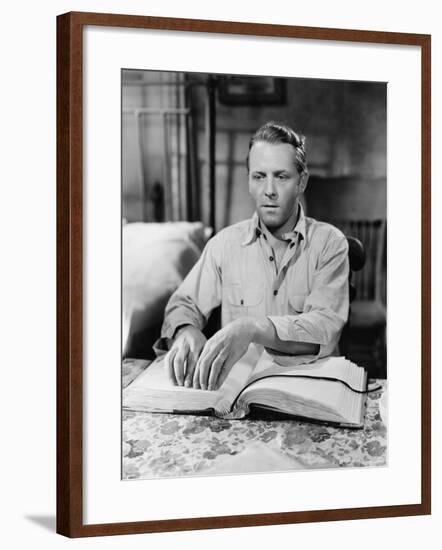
[153, 391]
[328, 367]
[284, 388]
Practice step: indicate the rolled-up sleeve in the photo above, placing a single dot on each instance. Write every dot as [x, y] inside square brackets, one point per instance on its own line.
[196, 297]
[325, 309]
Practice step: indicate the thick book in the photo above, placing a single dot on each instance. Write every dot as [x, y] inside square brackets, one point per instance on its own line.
[330, 390]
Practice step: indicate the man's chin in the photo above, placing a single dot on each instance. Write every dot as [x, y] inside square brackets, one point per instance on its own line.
[270, 221]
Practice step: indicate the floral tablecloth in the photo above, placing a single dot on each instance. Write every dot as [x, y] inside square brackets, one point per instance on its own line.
[169, 445]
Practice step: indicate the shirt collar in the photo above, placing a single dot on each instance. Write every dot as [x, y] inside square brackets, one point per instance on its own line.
[298, 232]
[253, 231]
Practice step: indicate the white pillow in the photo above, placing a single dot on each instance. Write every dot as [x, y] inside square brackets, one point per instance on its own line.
[156, 258]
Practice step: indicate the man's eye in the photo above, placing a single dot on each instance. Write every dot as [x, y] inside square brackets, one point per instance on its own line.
[257, 176]
[282, 176]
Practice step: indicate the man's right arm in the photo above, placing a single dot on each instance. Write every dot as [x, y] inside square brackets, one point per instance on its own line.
[188, 310]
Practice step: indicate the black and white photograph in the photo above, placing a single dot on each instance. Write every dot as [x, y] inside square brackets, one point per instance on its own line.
[221, 259]
[254, 269]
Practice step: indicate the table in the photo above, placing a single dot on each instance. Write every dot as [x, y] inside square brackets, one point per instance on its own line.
[169, 445]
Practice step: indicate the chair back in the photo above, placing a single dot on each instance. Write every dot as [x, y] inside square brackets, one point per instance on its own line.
[358, 208]
[369, 282]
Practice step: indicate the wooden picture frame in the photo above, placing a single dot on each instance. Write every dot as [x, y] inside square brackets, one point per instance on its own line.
[70, 273]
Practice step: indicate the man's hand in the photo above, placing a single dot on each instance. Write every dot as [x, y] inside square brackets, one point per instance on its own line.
[221, 352]
[181, 359]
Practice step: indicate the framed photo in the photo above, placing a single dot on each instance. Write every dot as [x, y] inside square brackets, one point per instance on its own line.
[246, 90]
[157, 121]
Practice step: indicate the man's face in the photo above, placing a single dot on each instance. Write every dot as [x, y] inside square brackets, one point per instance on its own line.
[275, 184]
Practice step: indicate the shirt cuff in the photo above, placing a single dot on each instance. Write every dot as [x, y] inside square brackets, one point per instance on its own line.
[161, 346]
[173, 322]
[289, 330]
[164, 343]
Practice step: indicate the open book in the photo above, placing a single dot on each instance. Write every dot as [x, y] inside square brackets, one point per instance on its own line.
[321, 391]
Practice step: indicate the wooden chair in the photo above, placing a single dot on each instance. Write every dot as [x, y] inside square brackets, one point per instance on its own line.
[357, 259]
[358, 208]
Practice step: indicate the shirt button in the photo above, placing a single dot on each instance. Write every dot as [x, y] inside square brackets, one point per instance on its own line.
[242, 302]
[271, 258]
[275, 292]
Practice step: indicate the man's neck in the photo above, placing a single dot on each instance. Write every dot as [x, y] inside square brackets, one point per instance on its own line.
[276, 235]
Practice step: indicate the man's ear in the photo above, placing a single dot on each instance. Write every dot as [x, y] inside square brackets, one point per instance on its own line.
[303, 180]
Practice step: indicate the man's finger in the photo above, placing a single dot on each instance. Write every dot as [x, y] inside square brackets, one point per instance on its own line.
[196, 377]
[217, 367]
[228, 364]
[197, 371]
[179, 362]
[205, 364]
[168, 362]
[192, 359]
[208, 351]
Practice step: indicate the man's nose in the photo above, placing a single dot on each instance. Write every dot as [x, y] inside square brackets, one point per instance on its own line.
[270, 189]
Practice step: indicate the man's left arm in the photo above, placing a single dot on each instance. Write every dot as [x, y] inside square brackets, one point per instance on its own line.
[316, 330]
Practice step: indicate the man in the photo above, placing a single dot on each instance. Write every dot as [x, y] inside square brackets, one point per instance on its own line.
[281, 278]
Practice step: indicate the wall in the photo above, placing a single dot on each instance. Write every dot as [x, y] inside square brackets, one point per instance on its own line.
[345, 126]
[27, 218]
[344, 122]
[150, 139]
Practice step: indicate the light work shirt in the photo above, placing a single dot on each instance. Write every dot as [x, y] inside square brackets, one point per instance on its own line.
[305, 297]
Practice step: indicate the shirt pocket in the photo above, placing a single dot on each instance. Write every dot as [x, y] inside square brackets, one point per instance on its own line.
[296, 303]
[243, 301]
